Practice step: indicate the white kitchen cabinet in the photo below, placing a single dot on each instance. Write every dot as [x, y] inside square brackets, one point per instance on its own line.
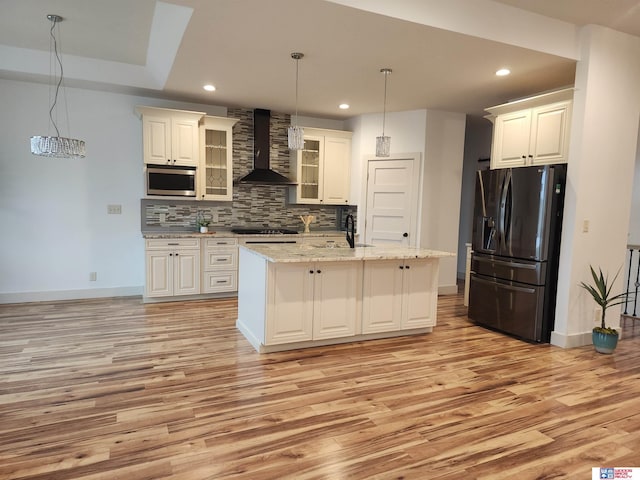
[220, 265]
[216, 164]
[536, 135]
[312, 301]
[170, 137]
[399, 295]
[322, 169]
[172, 267]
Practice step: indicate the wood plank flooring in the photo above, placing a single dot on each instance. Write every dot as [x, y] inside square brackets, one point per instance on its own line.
[115, 389]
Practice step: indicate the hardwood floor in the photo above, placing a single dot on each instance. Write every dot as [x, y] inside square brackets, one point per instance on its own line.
[115, 389]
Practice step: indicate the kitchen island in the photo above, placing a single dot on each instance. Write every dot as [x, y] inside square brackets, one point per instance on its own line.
[298, 296]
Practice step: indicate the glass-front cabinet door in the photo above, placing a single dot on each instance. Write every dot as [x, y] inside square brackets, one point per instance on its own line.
[309, 179]
[216, 165]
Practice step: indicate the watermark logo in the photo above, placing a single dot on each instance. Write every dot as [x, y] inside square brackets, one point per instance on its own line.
[626, 473]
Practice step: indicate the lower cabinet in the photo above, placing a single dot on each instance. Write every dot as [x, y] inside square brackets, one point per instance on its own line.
[172, 267]
[312, 301]
[220, 265]
[399, 295]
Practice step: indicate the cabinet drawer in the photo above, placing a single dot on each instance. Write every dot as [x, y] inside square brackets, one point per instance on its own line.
[220, 242]
[220, 259]
[220, 281]
[171, 243]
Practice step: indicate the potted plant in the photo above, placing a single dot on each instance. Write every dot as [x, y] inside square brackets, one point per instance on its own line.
[203, 223]
[604, 339]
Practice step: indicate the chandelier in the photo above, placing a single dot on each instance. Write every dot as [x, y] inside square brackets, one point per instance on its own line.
[60, 147]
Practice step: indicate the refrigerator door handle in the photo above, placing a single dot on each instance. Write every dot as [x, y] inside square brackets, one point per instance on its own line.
[505, 285]
[501, 212]
[508, 209]
[525, 266]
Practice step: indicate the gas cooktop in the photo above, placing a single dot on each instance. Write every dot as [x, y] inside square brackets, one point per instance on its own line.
[263, 231]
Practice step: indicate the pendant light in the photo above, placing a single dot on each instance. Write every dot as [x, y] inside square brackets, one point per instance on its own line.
[60, 147]
[296, 133]
[383, 143]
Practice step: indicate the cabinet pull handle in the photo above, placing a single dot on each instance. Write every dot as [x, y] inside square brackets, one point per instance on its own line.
[221, 259]
[530, 156]
[221, 281]
[173, 244]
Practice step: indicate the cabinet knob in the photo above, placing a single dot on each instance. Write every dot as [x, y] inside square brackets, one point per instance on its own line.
[524, 156]
[401, 267]
[171, 254]
[176, 254]
[530, 156]
[318, 271]
[407, 267]
[311, 272]
[405, 234]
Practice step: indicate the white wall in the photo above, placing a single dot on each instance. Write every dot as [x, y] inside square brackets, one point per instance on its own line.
[53, 212]
[438, 138]
[634, 220]
[602, 153]
[477, 144]
[442, 184]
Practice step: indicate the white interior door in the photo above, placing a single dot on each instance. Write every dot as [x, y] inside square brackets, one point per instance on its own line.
[392, 201]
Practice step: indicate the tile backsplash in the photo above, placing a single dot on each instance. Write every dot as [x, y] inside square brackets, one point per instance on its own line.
[252, 205]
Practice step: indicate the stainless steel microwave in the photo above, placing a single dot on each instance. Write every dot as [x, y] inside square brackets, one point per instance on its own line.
[171, 180]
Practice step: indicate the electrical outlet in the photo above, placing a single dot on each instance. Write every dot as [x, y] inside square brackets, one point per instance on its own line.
[93, 276]
[585, 226]
[597, 315]
[114, 209]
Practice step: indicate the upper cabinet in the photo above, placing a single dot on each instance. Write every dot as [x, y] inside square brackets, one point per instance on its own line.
[534, 131]
[215, 171]
[170, 137]
[322, 169]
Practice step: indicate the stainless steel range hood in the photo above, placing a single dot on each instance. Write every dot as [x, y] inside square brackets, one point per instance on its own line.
[261, 173]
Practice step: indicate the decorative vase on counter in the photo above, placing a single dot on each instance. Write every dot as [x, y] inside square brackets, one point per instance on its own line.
[204, 229]
[307, 219]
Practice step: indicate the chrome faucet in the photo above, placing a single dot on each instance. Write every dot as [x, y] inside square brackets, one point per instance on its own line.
[349, 224]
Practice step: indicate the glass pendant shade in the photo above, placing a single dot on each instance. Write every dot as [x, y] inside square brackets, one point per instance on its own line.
[383, 146]
[296, 138]
[59, 147]
[50, 146]
[383, 142]
[296, 133]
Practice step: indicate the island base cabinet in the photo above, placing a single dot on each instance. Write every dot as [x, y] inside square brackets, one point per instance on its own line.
[312, 301]
[290, 304]
[336, 287]
[399, 295]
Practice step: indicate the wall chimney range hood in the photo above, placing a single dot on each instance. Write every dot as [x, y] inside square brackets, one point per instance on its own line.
[261, 173]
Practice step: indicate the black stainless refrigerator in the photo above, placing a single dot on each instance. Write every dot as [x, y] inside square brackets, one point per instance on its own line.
[516, 244]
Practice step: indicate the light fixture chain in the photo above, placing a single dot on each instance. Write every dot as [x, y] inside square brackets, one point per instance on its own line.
[55, 97]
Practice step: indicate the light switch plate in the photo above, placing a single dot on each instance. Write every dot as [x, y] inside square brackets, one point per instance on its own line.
[114, 209]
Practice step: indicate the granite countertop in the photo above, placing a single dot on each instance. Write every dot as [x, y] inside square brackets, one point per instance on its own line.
[287, 253]
[229, 233]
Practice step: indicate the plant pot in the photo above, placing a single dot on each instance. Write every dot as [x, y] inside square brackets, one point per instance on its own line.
[604, 342]
[204, 229]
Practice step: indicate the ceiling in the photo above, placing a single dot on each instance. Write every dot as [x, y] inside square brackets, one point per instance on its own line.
[171, 49]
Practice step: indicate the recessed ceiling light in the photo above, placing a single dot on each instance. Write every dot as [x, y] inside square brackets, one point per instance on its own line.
[343, 106]
[209, 88]
[503, 72]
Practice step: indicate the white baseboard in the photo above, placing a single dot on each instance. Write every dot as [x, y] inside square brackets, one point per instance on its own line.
[570, 341]
[49, 296]
[447, 290]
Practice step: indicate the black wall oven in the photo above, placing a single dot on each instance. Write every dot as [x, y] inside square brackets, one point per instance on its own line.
[166, 180]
